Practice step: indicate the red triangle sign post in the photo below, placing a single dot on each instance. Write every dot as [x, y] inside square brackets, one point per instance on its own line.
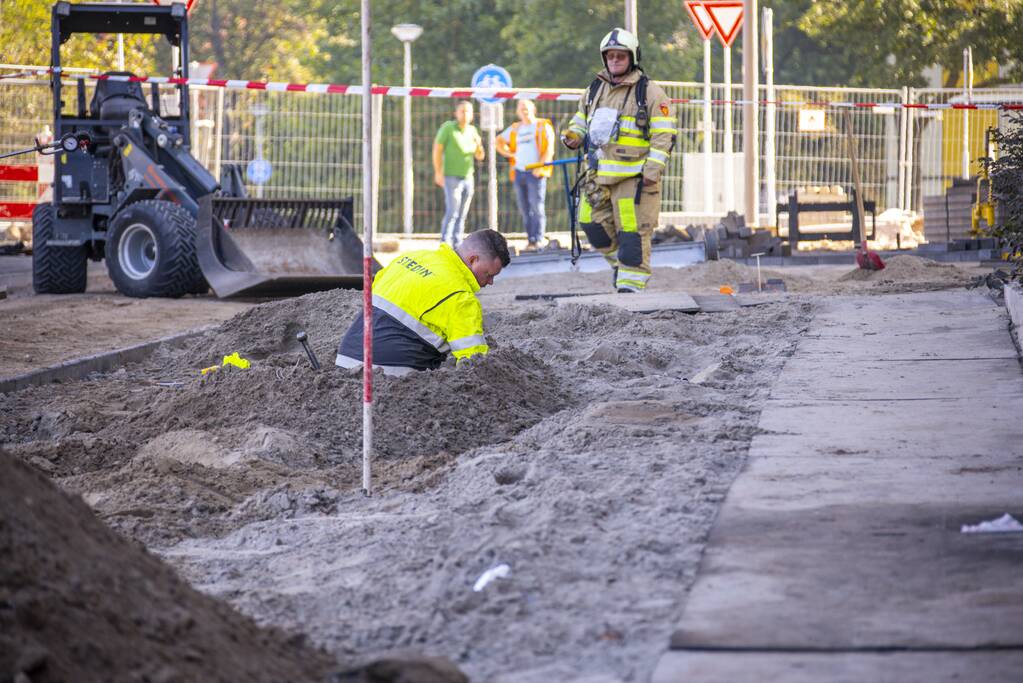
[698, 13]
[727, 18]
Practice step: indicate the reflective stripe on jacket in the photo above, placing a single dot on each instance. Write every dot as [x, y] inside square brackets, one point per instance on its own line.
[630, 153]
[544, 129]
[433, 294]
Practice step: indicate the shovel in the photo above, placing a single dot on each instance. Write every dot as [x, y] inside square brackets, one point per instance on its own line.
[865, 259]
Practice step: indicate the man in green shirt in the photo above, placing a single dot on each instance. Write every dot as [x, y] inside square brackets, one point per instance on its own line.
[456, 145]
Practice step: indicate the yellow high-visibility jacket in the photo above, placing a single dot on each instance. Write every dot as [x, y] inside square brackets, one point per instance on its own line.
[424, 306]
[630, 153]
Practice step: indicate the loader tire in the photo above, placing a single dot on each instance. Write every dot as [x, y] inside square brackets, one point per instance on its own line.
[150, 251]
[55, 270]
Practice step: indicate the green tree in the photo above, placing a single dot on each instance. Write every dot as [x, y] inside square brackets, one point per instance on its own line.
[542, 44]
[279, 40]
[25, 39]
[458, 37]
[891, 42]
[557, 44]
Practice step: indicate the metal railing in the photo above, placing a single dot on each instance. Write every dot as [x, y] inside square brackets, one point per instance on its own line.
[313, 142]
[946, 144]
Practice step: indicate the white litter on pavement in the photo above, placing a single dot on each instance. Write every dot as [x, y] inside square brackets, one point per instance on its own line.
[499, 572]
[1003, 524]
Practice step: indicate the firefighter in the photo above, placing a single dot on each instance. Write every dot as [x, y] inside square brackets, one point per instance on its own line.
[425, 306]
[626, 126]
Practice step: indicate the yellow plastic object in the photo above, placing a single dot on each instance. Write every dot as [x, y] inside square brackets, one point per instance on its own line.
[725, 289]
[985, 211]
[237, 361]
[234, 359]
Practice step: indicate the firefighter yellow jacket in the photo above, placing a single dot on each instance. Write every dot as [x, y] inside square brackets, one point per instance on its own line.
[433, 294]
[629, 153]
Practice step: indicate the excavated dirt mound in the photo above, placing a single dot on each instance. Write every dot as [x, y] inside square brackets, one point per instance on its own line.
[907, 273]
[578, 452]
[80, 603]
[165, 453]
[600, 510]
[904, 273]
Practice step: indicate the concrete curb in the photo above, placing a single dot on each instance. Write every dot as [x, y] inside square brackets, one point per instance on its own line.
[78, 368]
[1014, 304]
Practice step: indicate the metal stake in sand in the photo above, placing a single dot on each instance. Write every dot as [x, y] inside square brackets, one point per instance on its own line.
[367, 258]
[303, 339]
[760, 286]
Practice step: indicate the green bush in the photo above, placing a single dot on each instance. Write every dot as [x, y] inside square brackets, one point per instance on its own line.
[1007, 188]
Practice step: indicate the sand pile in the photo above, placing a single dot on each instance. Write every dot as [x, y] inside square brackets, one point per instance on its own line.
[906, 268]
[577, 452]
[904, 273]
[601, 509]
[80, 603]
[164, 453]
[699, 278]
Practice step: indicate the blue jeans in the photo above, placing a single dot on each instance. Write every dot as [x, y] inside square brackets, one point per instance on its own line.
[531, 193]
[457, 195]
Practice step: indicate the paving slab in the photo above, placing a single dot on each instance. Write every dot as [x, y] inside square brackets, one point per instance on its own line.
[637, 302]
[905, 380]
[838, 553]
[955, 427]
[1014, 305]
[716, 303]
[851, 667]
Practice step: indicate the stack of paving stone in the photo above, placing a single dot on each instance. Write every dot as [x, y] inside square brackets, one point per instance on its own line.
[952, 222]
[736, 240]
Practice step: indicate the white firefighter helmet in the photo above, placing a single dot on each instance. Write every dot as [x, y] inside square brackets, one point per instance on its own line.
[620, 39]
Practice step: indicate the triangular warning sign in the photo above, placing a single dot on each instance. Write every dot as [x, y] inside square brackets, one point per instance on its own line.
[727, 18]
[698, 13]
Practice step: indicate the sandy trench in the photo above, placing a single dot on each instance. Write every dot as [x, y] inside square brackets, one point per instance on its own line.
[578, 453]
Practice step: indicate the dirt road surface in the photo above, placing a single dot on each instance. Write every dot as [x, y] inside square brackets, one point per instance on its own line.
[589, 452]
[42, 331]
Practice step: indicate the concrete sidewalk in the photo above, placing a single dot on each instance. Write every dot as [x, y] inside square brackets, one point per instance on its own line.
[837, 555]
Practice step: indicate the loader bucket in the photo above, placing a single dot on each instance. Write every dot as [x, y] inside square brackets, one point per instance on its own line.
[278, 247]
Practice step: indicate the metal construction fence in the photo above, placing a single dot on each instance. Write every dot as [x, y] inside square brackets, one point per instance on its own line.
[314, 143]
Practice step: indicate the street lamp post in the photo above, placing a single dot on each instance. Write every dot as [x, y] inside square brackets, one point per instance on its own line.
[407, 33]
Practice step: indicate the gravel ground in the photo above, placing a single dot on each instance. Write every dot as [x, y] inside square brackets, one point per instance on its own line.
[589, 452]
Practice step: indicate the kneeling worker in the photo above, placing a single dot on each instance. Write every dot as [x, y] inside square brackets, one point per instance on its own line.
[425, 305]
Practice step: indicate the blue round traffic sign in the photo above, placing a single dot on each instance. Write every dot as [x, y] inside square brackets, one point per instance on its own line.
[258, 171]
[491, 76]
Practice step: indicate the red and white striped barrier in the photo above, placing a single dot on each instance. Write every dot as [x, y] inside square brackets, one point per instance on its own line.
[507, 93]
[17, 210]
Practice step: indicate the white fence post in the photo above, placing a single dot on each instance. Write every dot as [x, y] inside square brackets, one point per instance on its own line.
[903, 124]
[729, 169]
[378, 106]
[770, 122]
[708, 140]
[968, 96]
[910, 132]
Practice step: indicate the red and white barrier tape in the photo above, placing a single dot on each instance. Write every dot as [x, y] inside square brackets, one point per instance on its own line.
[508, 93]
[868, 105]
